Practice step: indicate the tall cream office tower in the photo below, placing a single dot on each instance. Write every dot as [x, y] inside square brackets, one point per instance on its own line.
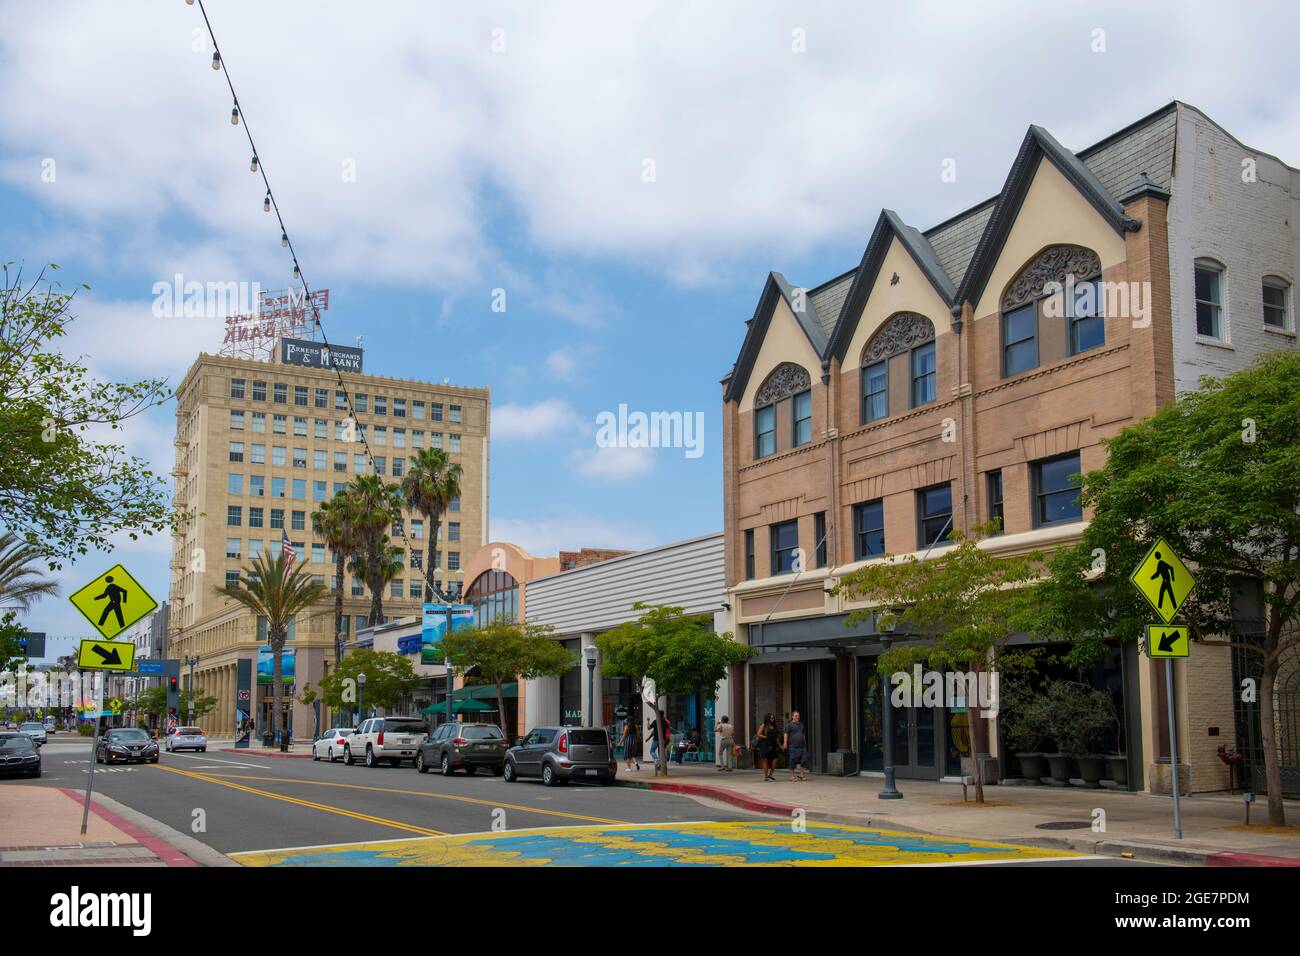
[261, 443]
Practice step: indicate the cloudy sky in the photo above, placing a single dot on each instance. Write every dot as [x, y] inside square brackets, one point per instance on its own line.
[626, 173]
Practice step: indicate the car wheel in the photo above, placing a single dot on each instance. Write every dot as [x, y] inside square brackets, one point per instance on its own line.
[314, 754]
[508, 771]
[203, 750]
[330, 754]
[371, 760]
[549, 777]
[445, 766]
[420, 765]
[347, 756]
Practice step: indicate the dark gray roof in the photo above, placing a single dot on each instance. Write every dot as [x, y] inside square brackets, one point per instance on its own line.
[954, 241]
[827, 300]
[1119, 160]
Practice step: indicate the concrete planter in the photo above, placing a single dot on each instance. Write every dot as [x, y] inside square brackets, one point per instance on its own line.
[1091, 769]
[1033, 767]
[1060, 766]
[1117, 769]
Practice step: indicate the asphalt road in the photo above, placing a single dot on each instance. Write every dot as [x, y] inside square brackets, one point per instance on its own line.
[301, 812]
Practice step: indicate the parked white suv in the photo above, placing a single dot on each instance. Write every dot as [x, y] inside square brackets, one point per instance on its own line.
[385, 738]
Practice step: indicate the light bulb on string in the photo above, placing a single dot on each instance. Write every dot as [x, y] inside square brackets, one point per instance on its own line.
[284, 239]
[234, 116]
[253, 165]
[297, 273]
[266, 203]
[216, 60]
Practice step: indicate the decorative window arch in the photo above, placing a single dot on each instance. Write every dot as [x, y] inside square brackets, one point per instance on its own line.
[1053, 264]
[907, 334]
[786, 379]
[900, 333]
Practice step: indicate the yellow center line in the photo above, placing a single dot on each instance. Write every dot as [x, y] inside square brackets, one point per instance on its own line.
[364, 817]
[421, 793]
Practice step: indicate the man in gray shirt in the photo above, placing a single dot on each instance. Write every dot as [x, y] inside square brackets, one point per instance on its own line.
[795, 743]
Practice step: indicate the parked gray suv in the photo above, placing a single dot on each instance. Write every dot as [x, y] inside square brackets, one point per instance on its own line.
[558, 754]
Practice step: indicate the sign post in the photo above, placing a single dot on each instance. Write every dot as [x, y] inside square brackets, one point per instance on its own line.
[1165, 582]
[94, 750]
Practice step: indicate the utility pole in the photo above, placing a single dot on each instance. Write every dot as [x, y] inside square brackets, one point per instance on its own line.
[191, 661]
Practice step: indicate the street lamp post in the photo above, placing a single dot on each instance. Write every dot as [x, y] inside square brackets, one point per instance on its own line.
[590, 652]
[191, 661]
[446, 657]
[361, 698]
[890, 792]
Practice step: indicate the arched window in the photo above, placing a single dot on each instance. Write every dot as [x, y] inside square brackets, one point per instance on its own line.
[1052, 309]
[788, 383]
[902, 350]
[495, 597]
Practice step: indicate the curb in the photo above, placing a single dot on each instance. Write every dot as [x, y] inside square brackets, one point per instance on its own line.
[1137, 851]
[250, 752]
[155, 845]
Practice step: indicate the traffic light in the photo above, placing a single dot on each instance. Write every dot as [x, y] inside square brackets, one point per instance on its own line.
[173, 684]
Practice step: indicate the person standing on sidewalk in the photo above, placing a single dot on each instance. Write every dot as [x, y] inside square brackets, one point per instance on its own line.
[630, 741]
[795, 744]
[766, 747]
[724, 744]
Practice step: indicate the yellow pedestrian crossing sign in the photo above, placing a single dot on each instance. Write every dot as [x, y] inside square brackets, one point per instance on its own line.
[113, 601]
[1163, 580]
[106, 655]
[1168, 640]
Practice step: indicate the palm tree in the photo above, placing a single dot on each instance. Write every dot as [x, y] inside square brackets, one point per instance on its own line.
[276, 591]
[431, 484]
[373, 507]
[20, 582]
[333, 523]
[377, 571]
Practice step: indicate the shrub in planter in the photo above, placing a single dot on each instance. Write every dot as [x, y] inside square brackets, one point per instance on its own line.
[1020, 714]
[1078, 717]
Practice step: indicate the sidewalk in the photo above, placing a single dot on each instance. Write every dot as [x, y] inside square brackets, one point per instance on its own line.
[43, 828]
[1135, 823]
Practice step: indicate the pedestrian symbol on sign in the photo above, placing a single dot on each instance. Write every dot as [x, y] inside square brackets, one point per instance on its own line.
[1163, 580]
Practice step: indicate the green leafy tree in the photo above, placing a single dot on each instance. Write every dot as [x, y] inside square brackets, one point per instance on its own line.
[277, 592]
[679, 652]
[504, 651]
[373, 506]
[152, 701]
[964, 600]
[431, 483]
[59, 488]
[333, 523]
[1217, 474]
[389, 678]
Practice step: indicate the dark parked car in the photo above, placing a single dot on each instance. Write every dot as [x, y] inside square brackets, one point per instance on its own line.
[465, 747]
[18, 754]
[557, 754]
[126, 744]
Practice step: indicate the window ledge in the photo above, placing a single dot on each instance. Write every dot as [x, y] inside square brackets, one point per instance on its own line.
[1274, 330]
[1214, 343]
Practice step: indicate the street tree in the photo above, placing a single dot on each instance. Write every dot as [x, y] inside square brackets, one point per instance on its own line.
[389, 678]
[62, 488]
[431, 484]
[373, 506]
[964, 601]
[504, 651]
[277, 591]
[152, 701]
[1217, 475]
[678, 652]
[332, 522]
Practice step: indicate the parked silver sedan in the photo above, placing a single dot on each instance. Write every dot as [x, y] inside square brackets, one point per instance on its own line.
[329, 745]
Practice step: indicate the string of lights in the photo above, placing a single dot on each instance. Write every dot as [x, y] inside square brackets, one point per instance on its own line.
[269, 204]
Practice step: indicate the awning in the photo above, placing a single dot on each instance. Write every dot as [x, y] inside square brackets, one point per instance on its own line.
[464, 706]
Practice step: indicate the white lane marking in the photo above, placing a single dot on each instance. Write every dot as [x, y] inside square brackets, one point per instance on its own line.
[328, 846]
[214, 760]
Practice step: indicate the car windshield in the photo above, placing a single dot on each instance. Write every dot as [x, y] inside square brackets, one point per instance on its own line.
[125, 735]
[346, 731]
[31, 727]
[481, 733]
[405, 727]
[15, 742]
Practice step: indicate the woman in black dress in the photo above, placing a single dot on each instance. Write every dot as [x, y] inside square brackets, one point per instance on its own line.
[767, 747]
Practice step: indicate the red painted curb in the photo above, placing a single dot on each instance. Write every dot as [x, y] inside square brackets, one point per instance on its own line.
[733, 797]
[249, 752]
[158, 847]
[1248, 859]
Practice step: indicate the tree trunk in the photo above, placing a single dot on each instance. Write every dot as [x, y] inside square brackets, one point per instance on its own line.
[1268, 740]
[501, 711]
[435, 526]
[430, 554]
[376, 603]
[661, 763]
[979, 739]
[338, 608]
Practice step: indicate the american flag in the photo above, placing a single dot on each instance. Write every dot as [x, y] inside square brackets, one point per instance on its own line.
[286, 549]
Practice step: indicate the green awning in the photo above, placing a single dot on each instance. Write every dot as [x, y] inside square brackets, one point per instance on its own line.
[463, 706]
[487, 692]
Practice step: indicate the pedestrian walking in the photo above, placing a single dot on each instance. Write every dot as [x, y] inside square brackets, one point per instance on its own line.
[767, 746]
[725, 744]
[795, 744]
[631, 740]
[654, 738]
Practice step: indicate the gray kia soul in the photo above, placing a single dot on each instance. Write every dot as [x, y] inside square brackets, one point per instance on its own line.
[557, 754]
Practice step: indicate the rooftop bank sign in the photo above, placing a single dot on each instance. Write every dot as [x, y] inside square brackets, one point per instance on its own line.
[319, 355]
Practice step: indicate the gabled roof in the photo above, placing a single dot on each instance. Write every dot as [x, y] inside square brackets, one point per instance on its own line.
[775, 287]
[888, 227]
[1038, 145]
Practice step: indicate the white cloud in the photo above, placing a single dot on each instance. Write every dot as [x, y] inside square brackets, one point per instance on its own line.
[758, 150]
[614, 463]
[545, 419]
[568, 362]
[547, 536]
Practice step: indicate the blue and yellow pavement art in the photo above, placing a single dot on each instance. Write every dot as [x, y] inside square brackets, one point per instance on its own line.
[742, 843]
